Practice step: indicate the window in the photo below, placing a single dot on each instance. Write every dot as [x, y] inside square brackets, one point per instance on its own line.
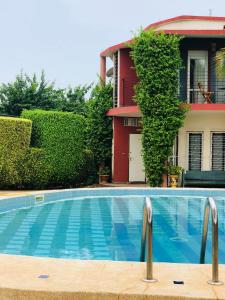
[133, 122]
[115, 80]
[195, 151]
[197, 75]
[218, 151]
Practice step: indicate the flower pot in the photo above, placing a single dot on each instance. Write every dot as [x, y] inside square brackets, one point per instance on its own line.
[103, 179]
[173, 181]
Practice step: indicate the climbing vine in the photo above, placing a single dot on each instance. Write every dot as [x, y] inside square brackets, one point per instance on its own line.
[157, 62]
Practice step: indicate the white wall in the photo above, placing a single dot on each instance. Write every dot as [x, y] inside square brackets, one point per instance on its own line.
[193, 25]
[200, 121]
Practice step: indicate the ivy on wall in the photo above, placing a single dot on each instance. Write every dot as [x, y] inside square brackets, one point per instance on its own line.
[157, 62]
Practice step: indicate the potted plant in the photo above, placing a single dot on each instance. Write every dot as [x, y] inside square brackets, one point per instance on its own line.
[174, 174]
[104, 175]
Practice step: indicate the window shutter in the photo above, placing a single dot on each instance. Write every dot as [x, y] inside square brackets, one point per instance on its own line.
[195, 151]
[218, 152]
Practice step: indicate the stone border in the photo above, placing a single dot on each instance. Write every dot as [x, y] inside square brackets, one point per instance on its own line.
[102, 280]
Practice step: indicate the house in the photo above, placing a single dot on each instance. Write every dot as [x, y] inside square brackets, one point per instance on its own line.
[200, 144]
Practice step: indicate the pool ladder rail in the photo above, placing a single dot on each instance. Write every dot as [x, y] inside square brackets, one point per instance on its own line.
[147, 235]
[210, 205]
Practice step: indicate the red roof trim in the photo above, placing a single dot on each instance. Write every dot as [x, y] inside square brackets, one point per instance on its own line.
[118, 111]
[195, 32]
[112, 49]
[185, 17]
[211, 106]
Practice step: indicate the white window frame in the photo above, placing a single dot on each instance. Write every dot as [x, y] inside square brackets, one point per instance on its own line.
[195, 54]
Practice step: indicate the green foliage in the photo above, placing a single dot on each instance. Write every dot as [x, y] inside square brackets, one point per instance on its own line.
[99, 126]
[15, 139]
[104, 171]
[31, 93]
[157, 61]
[62, 137]
[174, 170]
[74, 100]
[220, 63]
[32, 169]
[28, 93]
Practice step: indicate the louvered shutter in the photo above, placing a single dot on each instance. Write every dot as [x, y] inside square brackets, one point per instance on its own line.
[195, 151]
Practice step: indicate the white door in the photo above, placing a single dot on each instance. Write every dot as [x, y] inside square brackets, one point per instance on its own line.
[136, 164]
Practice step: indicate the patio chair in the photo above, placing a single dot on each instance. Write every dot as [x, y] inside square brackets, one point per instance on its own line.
[206, 94]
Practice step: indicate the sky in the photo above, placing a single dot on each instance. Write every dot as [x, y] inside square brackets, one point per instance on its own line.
[65, 37]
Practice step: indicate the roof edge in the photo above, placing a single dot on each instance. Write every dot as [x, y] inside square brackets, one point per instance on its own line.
[111, 49]
[184, 17]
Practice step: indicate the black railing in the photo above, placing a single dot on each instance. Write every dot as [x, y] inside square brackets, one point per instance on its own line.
[203, 90]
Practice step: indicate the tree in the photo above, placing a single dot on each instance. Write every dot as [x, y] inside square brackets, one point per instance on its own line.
[29, 93]
[99, 126]
[75, 100]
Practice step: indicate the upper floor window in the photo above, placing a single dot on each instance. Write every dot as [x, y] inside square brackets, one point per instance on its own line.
[197, 75]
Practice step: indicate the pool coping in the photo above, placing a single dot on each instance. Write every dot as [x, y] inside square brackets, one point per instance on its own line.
[102, 280]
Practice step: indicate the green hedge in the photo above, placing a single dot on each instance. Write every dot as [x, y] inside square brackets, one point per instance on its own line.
[62, 137]
[15, 136]
[32, 169]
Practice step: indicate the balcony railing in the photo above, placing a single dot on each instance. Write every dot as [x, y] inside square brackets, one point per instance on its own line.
[202, 90]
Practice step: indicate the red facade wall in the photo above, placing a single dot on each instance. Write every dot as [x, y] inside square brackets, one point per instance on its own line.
[121, 149]
[128, 78]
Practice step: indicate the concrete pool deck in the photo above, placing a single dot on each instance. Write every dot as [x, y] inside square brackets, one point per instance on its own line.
[102, 280]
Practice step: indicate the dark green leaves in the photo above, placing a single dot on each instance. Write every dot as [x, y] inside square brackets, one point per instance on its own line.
[157, 61]
[99, 126]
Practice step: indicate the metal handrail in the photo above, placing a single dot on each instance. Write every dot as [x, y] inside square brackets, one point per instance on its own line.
[147, 235]
[210, 205]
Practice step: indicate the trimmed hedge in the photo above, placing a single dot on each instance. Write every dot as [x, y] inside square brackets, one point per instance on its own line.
[32, 169]
[62, 137]
[15, 134]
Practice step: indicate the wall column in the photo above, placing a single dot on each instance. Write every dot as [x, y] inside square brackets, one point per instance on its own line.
[103, 68]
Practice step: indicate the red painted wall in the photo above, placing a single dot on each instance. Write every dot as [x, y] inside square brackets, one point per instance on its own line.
[121, 150]
[128, 78]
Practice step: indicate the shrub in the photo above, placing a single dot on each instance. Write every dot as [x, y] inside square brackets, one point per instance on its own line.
[99, 125]
[157, 61]
[15, 136]
[62, 137]
[32, 169]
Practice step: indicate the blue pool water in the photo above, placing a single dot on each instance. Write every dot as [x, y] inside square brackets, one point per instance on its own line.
[109, 228]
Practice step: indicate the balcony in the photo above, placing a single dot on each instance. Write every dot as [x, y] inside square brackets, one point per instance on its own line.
[201, 90]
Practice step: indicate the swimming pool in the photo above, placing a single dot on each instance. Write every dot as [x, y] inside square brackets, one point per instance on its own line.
[109, 227]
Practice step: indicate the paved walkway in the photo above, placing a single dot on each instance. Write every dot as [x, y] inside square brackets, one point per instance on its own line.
[11, 193]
